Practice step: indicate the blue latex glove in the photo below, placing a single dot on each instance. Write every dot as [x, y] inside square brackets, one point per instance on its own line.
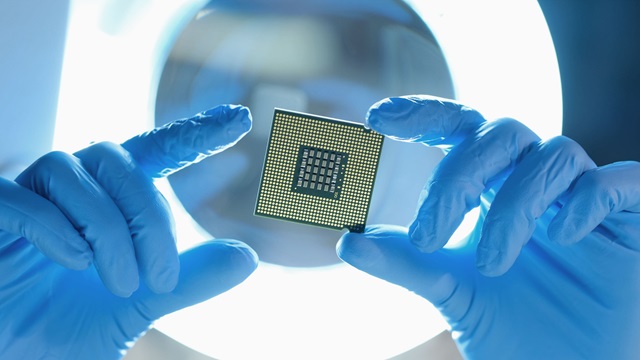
[80, 230]
[550, 271]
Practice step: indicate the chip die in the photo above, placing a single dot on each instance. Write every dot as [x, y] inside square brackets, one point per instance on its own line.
[319, 171]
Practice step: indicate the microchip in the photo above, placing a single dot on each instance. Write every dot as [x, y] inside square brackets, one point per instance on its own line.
[319, 171]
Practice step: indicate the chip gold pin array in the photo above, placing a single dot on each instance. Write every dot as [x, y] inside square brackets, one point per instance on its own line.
[319, 171]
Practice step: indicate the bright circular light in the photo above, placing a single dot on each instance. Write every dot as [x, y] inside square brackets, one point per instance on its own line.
[503, 63]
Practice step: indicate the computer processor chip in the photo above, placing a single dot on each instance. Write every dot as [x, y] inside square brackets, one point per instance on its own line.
[319, 171]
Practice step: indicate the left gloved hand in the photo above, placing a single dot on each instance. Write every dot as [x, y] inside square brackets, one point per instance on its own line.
[78, 232]
[551, 270]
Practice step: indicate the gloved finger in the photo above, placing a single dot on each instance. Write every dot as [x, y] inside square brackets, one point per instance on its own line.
[456, 185]
[161, 152]
[541, 176]
[480, 154]
[61, 179]
[145, 210]
[207, 270]
[386, 252]
[596, 194]
[421, 118]
[167, 149]
[29, 215]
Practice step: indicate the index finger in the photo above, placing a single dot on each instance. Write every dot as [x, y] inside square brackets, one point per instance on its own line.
[167, 149]
[426, 119]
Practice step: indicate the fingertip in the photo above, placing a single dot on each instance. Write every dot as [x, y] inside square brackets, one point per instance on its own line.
[489, 262]
[239, 263]
[563, 231]
[497, 250]
[556, 231]
[376, 110]
[126, 288]
[70, 251]
[346, 245]
[491, 271]
[357, 250]
[121, 282]
[237, 118]
[245, 254]
[238, 259]
[165, 280]
[242, 116]
[389, 117]
[79, 263]
[133, 286]
[423, 239]
[498, 247]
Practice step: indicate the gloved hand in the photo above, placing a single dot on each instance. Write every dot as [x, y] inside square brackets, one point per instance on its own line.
[79, 231]
[550, 271]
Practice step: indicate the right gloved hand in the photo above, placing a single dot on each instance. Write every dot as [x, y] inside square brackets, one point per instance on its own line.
[79, 231]
[551, 270]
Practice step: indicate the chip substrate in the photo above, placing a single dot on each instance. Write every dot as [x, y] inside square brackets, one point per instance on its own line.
[319, 171]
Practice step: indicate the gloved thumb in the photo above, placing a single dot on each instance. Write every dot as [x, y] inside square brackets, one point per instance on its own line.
[206, 270]
[386, 252]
